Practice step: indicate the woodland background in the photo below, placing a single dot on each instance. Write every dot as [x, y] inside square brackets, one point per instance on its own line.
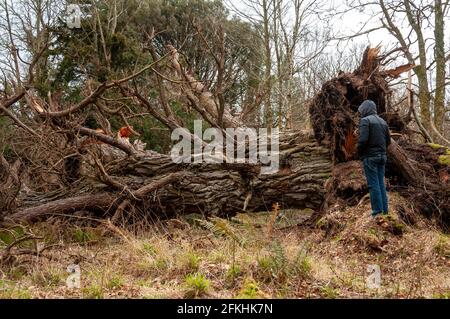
[85, 121]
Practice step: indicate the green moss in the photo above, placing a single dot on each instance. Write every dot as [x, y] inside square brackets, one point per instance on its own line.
[444, 295]
[249, 290]
[8, 236]
[435, 146]
[444, 159]
[321, 223]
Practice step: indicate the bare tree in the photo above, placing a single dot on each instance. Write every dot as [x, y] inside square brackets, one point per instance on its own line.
[293, 36]
[419, 30]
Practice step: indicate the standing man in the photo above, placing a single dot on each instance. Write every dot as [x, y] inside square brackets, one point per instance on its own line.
[374, 138]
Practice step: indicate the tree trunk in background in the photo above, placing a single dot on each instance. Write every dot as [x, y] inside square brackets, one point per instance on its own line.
[268, 114]
[421, 69]
[279, 62]
[439, 52]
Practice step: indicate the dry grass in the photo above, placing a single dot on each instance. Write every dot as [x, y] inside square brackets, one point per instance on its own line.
[219, 258]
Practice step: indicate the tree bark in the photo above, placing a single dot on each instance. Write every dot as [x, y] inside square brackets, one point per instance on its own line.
[268, 112]
[90, 202]
[439, 52]
[159, 187]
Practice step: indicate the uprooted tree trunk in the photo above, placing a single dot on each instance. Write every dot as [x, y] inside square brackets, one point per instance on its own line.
[131, 181]
[156, 186]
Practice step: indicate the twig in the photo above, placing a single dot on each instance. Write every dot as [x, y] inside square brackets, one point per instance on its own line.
[17, 121]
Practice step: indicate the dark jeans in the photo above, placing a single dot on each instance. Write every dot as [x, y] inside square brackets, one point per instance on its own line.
[374, 167]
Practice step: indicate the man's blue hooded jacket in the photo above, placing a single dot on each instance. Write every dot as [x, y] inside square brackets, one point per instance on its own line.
[374, 137]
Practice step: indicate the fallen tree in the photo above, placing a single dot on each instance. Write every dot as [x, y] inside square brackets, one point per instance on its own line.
[314, 169]
[153, 184]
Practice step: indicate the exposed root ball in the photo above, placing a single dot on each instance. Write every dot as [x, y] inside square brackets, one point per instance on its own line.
[416, 171]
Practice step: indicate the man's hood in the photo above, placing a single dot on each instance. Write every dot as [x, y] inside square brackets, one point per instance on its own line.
[367, 108]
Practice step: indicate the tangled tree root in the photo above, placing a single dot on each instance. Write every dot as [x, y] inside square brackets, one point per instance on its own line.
[413, 169]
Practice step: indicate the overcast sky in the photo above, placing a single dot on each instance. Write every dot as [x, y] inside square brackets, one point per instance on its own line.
[352, 21]
[348, 23]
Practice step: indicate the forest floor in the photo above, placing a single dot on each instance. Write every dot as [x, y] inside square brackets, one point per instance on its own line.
[252, 256]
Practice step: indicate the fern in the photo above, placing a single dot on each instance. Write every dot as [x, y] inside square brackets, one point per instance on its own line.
[278, 265]
[279, 256]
